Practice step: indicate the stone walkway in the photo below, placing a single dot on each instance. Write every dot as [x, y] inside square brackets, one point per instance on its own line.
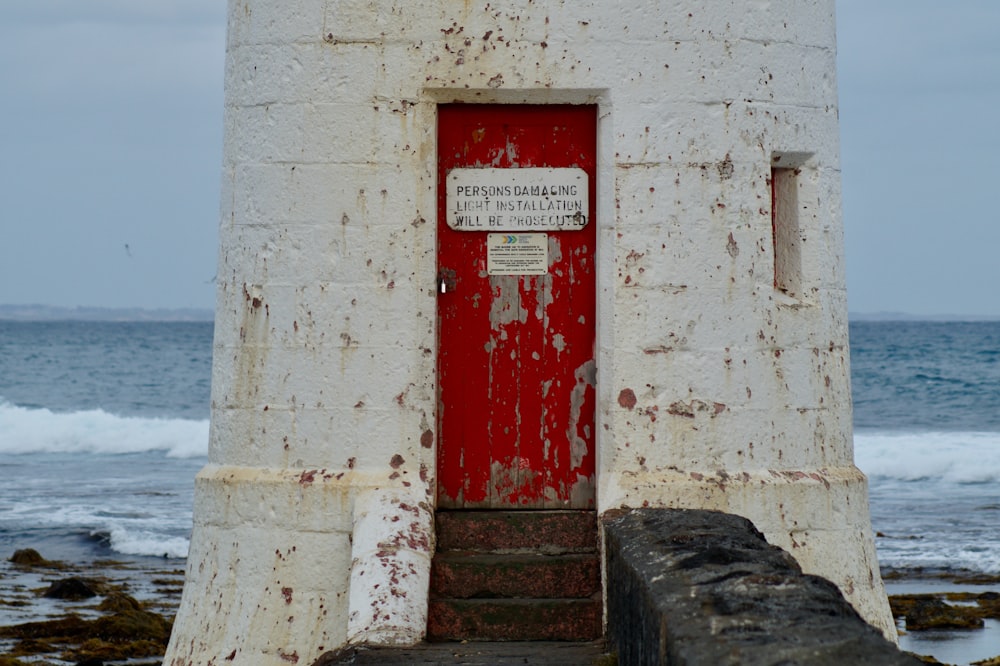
[479, 654]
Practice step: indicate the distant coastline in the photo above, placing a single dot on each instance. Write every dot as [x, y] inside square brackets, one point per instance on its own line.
[53, 313]
[33, 312]
[903, 316]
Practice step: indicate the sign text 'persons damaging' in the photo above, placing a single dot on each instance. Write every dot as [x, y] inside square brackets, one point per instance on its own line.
[528, 199]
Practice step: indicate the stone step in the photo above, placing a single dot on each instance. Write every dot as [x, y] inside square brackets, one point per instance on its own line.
[514, 619]
[463, 575]
[511, 531]
[515, 576]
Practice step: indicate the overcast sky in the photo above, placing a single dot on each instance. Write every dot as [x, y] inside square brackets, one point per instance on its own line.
[111, 141]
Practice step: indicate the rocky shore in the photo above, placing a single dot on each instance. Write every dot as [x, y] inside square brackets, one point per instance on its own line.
[120, 612]
[950, 618]
[108, 612]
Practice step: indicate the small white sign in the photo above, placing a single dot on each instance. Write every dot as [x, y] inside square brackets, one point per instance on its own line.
[529, 199]
[517, 254]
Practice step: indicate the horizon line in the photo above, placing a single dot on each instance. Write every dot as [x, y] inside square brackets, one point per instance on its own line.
[40, 312]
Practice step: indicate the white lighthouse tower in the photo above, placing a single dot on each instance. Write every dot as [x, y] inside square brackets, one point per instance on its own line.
[532, 256]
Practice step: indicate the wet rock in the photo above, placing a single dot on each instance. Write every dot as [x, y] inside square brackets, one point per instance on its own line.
[28, 557]
[132, 625]
[117, 602]
[65, 629]
[11, 661]
[96, 650]
[929, 659]
[989, 605]
[27, 647]
[128, 635]
[934, 613]
[124, 635]
[71, 589]
[977, 579]
[900, 604]
[994, 661]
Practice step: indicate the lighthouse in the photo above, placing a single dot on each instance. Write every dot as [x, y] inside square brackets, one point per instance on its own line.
[530, 260]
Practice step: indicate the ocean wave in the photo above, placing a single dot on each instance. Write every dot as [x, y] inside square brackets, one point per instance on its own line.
[142, 543]
[952, 457]
[24, 430]
[938, 554]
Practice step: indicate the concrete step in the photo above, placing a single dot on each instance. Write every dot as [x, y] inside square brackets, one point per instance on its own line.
[516, 576]
[514, 619]
[511, 531]
[464, 575]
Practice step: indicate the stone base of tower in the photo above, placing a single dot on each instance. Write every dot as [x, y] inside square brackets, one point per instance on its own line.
[820, 516]
[287, 564]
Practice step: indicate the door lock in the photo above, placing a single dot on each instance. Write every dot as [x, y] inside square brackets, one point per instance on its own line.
[447, 281]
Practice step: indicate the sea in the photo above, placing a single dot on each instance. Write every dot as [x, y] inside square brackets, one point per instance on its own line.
[103, 426]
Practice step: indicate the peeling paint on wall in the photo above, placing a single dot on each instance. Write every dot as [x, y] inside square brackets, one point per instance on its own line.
[717, 389]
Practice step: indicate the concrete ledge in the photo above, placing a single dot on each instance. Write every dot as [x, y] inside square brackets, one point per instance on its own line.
[819, 515]
[704, 588]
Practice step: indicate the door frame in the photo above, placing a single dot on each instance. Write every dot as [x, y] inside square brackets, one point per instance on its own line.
[601, 226]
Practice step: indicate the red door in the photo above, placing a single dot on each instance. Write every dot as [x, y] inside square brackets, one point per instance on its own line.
[516, 306]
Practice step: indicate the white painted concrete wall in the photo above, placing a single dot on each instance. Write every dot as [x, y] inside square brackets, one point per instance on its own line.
[313, 520]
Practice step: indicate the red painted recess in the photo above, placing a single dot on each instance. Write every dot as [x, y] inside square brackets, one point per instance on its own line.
[516, 372]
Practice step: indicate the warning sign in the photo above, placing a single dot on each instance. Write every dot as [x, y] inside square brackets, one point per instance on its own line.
[517, 254]
[526, 199]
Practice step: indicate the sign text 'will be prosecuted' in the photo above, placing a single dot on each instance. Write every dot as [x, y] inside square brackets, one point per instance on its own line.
[537, 199]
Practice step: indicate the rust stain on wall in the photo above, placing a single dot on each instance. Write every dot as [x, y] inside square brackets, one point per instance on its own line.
[627, 398]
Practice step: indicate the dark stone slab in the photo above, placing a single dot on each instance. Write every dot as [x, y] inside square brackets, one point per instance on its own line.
[499, 531]
[703, 588]
[474, 654]
[525, 575]
[514, 619]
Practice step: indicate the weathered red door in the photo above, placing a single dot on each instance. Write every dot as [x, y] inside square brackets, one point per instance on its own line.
[516, 306]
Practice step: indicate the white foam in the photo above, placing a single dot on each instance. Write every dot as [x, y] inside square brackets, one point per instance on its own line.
[953, 457]
[148, 543]
[24, 430]
[938, 556]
